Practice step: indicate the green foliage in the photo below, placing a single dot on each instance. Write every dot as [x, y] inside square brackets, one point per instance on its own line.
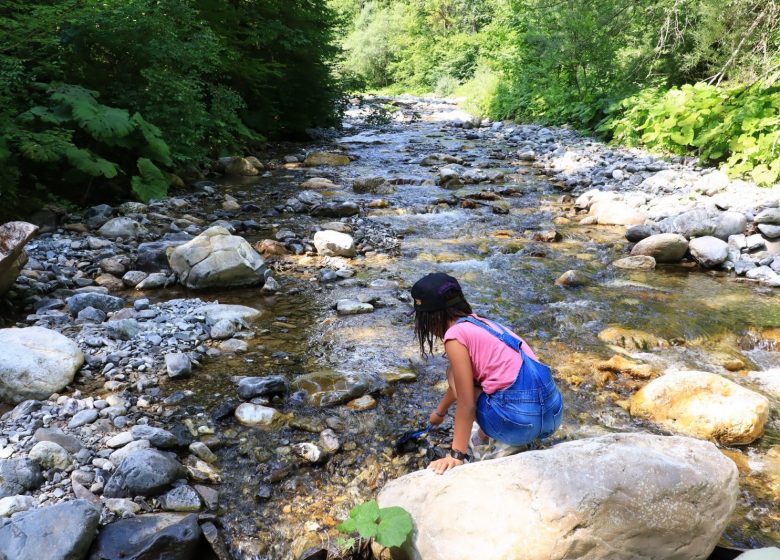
[738, 125]
[72, 130]
[178, 81]
[389, 526]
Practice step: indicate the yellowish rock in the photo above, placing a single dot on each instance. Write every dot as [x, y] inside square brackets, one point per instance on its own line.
[366, 402]
[631, 339]
[619, 364]
[703, 405]
[325, 158]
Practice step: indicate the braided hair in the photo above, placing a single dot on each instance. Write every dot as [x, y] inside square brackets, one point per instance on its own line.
[430, 325]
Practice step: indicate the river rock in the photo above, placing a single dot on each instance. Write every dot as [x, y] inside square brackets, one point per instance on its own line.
[169, 536]
[663, 247]
[214, 312]
[325, 158]
[768, 216]
[153, 256]
[160, 438]
[14, 504]
[639, 232]
[638, 262]
[335, 209]
[573, 279]
[331, 243]
[769, 231]
[83, 417]
[68, 442]
[36, 362]
[223, 329]
[103, 302]
[269, 386]
[617, 213]
[49, 455]
[353, 307]
[308, 451]
[709, 251]
[60, 532]
[329, 388]
[19, 475]
[257, 415]
[13, 237]
[615, 496]
[123, 227]
[216, 259]
[703, 405]
[319, 183]
[182, 498]
[146, 472]
[241, 167]
[178, 365]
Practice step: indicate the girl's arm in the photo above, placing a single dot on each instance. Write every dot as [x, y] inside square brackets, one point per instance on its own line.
[437, 417]
[463, 380]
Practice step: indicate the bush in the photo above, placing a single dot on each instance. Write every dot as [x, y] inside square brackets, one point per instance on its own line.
[738, 125]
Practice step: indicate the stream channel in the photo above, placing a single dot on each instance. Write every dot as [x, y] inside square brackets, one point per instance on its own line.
[707, 318]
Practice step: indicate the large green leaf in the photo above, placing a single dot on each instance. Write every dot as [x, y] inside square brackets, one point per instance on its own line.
[389, 526]
[44, 147]
[151, 183]
[106, 124]
[684, 136]
[156, 147]
[90, 163]
[395, 524]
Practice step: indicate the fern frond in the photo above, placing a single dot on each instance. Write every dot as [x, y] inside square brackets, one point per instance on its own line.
[103, 123]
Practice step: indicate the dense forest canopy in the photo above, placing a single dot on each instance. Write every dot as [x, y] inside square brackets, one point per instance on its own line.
[624, 69]
[113, 94]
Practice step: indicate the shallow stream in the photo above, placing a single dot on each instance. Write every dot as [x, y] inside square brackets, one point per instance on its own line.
[705, 320]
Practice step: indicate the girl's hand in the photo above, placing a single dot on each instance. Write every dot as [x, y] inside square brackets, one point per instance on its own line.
[441, 466]
[435, 419]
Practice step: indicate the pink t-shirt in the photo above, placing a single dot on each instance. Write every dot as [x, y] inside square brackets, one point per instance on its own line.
[495, 364]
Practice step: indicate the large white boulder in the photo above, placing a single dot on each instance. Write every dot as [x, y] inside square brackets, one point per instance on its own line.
[217, 259]
[703, 405]
[615, 496]
[331, 243]
[13, 237]
[35, 362]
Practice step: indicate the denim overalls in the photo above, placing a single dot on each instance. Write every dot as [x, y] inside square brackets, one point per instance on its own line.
[529, 409]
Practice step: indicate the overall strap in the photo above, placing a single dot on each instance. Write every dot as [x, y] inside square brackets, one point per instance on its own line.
[504, 336]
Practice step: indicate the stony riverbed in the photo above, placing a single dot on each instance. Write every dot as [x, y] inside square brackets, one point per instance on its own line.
[269, 406]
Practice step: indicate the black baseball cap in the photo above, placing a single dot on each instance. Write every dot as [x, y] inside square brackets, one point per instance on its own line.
[434, 292]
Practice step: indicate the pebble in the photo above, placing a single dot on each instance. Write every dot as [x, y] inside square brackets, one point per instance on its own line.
[83, 417]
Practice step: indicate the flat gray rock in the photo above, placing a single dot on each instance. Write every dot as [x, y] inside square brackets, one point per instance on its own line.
[19, 475]
[63, 531]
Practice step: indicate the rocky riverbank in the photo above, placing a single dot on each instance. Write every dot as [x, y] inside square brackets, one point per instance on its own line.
[230, 365]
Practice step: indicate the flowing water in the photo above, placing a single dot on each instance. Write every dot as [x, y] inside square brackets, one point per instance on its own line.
[707, 319]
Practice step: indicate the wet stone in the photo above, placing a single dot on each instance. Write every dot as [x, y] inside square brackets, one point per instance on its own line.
[269, 386]
[183, 498]
[146, 472]
[173, 536]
